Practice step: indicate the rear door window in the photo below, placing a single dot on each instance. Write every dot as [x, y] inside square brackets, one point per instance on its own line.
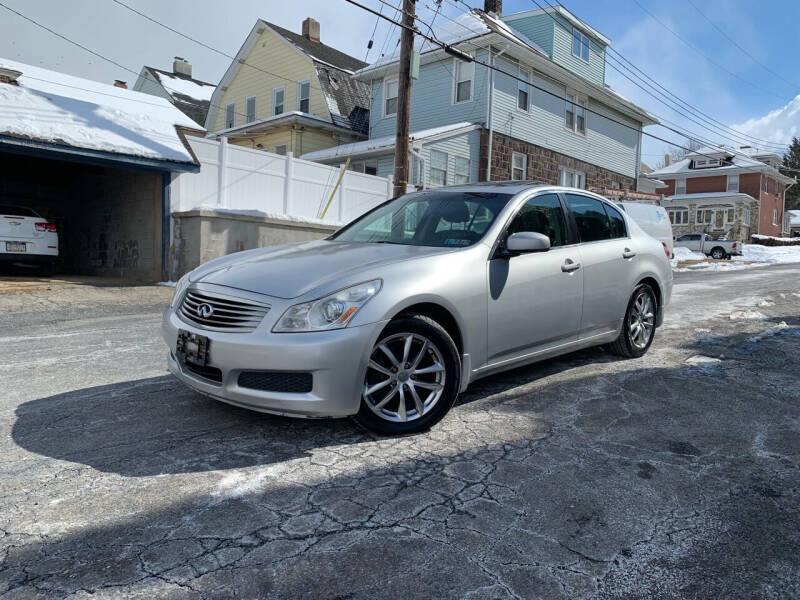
[590, 216]
[616, 222]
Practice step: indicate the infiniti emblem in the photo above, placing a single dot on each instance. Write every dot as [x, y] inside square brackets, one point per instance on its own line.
[205, 310]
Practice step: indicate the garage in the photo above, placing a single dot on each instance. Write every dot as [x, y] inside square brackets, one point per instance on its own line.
[95, 160]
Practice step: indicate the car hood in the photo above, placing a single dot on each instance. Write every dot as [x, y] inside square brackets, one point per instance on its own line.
[293, 270]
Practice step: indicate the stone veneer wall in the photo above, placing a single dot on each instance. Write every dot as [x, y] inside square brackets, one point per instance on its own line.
[543, 164]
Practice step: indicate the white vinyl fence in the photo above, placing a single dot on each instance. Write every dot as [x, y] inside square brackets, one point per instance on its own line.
[238, 178]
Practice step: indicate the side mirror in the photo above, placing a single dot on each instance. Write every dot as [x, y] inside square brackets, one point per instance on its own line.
[527, 241]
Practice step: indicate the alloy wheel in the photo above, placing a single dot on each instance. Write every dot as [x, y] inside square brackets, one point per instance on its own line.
[405, 377]
[641, 320]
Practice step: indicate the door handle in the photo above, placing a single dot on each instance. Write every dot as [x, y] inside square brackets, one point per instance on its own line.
[570, 266]
[628, 253]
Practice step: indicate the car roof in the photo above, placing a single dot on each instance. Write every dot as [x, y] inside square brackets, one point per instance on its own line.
[515, 187]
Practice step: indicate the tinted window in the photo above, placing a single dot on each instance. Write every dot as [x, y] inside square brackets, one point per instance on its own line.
[689, 237]
[17, 211]
[542, 214]
[433, 218]
[592, 221]
[616, 222]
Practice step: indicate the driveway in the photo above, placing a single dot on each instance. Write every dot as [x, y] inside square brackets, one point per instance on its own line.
[671, 476]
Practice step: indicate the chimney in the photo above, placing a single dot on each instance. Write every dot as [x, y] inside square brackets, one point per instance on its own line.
[9, 75]
[667, 160]
[493, 6]
[311, 29]
[181, 66]
[120, 84]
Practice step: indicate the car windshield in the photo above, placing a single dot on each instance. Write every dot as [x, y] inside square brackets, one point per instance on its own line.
[430, 218]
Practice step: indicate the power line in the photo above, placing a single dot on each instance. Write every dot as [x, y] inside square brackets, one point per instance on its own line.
[735, 43]
[678, 101]
[449, 49]
[703, 54]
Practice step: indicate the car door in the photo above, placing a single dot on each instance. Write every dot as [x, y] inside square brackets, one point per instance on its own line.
[534, 298]
[606, 255]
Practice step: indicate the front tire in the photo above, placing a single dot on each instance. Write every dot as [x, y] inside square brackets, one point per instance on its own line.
[412, 378]
[639, 325]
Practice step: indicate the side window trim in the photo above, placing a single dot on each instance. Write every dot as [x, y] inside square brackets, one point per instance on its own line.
[574, 221]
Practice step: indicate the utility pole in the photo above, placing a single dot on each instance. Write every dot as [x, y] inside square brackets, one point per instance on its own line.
[404, 99]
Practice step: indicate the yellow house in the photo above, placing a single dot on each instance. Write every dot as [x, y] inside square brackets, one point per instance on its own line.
[287, 92]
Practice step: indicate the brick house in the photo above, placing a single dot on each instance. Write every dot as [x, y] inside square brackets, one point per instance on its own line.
[726, 192]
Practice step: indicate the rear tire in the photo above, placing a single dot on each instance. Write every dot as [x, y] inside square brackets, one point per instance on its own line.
[639, 325]
[718, 253]
[412, 379]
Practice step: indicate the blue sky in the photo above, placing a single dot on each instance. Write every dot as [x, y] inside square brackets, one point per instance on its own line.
[766, 30]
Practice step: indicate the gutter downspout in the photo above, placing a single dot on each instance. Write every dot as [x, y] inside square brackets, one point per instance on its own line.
[783, 208]
[489, 106]
[420, 165]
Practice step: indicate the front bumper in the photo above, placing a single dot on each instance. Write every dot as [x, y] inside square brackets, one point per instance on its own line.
[336, 359]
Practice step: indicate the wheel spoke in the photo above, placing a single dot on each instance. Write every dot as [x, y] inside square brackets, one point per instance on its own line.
[434, 368]
[428, 385]
[421, 354]
[401, 407]
[635, 333]
[388, 397]
[378, 386]
[417, 399]
[633, 326]
[376, 367]
[407, 348]
[389, 354]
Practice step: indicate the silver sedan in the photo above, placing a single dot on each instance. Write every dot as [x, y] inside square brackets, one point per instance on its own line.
[399, 311]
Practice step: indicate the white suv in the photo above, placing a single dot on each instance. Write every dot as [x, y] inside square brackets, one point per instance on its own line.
[26, 237]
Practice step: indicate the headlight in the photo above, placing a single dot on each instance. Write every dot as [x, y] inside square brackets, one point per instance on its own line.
[180, 287]
[331, 312]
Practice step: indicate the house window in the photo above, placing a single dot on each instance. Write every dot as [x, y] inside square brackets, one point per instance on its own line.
[304, 96]
[680, 186]
[746, 216]
[390, 97]
[438, 168]
[519, 166]
[575, 115]
[733, 183]
[765, 185]
[572, 178]
[523, 94]
[774, 216]
[278, 94]
[461, 171]
[678, 216]
[580, 45]
[250, 109]
[371, 167]
[230, 110]
[463, 75]
[281, 149]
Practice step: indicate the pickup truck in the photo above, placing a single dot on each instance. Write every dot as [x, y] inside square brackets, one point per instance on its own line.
[702, 242]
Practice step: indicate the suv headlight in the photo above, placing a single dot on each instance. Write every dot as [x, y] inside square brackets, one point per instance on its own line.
[180, 287]
[331, 312]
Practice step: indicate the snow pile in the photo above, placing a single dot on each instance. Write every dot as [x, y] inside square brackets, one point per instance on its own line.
[705, 364]
[56, 108]
[186, 87]
[769, 254]
[769, 332]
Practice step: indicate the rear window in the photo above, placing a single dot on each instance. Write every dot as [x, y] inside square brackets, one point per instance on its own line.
[16, 211]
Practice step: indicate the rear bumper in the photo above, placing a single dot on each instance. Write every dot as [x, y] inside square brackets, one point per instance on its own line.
[336, 359]
[41, 250]
[28, 259]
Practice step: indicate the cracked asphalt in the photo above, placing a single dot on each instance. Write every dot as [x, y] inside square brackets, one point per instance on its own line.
[670, 476]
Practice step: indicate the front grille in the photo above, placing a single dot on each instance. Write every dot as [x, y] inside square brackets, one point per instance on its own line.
[210, 373]
[273, 381]
[227, 313]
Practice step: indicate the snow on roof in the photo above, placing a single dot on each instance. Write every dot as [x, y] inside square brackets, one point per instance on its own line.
[52, 107]
[466, 26]
[381, 143]
[738, 161]
[794, 217]
[185, 86]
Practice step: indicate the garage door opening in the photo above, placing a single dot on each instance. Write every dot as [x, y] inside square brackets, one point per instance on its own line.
[109, 220]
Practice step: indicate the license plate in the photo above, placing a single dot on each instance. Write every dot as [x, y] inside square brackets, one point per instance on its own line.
[192, 348]
[15, 247]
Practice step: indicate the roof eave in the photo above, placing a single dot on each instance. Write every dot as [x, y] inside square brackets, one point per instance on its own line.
[257, 127]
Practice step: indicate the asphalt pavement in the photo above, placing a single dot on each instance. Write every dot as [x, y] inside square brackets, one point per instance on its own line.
[670, 476]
